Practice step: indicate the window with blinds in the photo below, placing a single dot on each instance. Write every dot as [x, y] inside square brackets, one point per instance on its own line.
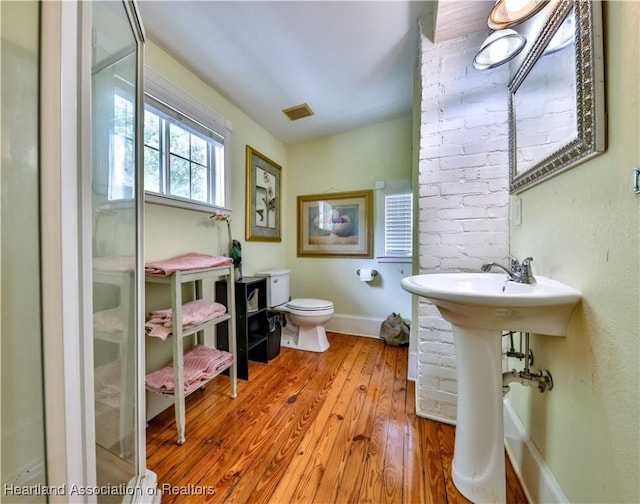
[398, 225]
[394, 221]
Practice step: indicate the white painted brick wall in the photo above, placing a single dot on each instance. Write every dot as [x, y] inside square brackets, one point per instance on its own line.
[463, 194]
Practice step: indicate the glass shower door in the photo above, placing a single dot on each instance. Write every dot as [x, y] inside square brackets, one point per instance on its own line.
[116, 223]
[23, 429]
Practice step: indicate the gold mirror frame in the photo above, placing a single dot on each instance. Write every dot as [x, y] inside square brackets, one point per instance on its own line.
[590, 110]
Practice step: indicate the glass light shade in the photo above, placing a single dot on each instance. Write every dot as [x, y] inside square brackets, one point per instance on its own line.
[498, 48]
[508, 13]
[564, 36]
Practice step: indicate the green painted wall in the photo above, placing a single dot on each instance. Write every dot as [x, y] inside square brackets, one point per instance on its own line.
[170, 231]
[350, 161]
[582, 227]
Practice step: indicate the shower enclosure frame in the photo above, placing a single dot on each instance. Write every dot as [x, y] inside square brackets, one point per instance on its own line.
[66, 231]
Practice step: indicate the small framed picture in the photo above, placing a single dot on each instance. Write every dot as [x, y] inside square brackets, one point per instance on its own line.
[264, 205]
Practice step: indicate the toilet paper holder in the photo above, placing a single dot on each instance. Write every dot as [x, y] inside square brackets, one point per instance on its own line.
[374, 273]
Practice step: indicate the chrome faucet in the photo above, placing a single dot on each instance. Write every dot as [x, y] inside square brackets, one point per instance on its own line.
[518, 272]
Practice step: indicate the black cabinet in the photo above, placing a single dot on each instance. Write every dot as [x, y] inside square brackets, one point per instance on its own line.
[251, 322]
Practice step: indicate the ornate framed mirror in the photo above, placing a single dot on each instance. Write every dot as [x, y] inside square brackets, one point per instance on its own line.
[556, 107]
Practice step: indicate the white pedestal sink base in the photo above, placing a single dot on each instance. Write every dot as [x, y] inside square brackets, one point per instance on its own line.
[492, 303]
[478, 468]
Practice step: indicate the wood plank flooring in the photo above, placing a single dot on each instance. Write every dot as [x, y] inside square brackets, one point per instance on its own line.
[337, 427]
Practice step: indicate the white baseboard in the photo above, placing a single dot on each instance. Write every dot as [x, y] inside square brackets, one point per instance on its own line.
[358, 326]
[534, 474]
[435, 418]
[412, 366]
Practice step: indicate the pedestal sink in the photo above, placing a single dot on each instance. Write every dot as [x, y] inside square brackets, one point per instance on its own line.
[480, 306]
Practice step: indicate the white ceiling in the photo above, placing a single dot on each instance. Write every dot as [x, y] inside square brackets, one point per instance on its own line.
[352, 62]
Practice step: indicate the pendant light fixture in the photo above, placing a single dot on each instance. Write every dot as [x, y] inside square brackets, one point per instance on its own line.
[508, 13]
[504, 43]
[498, 48]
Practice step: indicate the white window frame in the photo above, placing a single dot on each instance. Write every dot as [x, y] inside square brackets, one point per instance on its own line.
[164, 91]
[385, 188]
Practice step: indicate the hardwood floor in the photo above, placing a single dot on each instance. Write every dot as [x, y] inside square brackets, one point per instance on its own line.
[332, 427]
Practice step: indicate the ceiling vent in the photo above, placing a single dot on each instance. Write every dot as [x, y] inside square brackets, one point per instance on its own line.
[298, 112]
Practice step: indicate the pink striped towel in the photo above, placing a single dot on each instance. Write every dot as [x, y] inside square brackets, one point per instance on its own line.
[193, 313]
[184, 262]
[200, 363]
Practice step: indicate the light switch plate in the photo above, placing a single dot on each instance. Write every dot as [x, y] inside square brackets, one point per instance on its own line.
[517, 211]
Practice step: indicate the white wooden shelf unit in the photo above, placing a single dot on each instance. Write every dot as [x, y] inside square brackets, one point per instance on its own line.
[176, 280]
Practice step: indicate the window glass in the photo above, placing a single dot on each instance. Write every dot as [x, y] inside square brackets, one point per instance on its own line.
[185, 164]
[194, 159]
[182, 158]
[152, 160]
[151, 169]
[179, 183]
[198, 150]
[121, 168]
[198, 182]
[151, 129]
[179, 141]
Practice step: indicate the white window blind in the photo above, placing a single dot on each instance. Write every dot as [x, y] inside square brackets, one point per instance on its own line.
[398, 224]
[393, 235]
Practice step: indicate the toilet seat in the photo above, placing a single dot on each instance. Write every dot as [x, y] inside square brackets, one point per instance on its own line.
[307, 308]
[308, 304]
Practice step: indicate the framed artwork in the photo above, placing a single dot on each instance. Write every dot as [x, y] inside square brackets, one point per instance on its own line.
[336, 224]
[264, 202]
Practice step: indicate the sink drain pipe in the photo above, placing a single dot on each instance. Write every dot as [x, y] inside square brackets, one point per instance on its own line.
[541, 379]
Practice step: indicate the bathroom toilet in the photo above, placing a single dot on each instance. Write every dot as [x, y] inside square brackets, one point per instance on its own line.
[305, 317]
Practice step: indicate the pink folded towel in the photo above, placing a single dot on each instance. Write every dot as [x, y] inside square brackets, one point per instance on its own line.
[195, 312]
[200, 363]
[190, 261]
[157, 330]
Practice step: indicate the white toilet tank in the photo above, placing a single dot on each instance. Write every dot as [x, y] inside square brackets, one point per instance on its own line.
[277, 286]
